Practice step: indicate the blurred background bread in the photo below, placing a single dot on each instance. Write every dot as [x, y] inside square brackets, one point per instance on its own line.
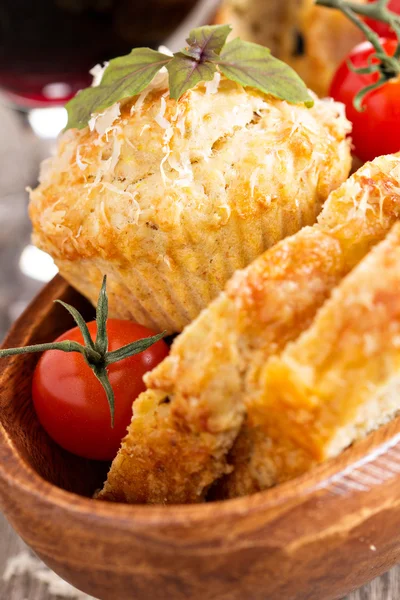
[312, 39]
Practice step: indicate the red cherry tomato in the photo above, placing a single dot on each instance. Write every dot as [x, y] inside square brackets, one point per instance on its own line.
[376, 130]
[71, 403]
[383, 29]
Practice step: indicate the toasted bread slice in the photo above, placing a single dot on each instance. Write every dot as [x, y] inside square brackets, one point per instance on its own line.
[185, 424]
[340, 379]
[366, 204]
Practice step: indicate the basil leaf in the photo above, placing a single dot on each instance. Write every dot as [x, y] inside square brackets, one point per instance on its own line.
[134, 71]
[81, 107]
[244, 62]
[205, 42]
[253, 65]
[125, 76]
[185, 73]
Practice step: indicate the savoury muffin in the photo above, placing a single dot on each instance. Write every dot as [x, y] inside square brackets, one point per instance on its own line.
[312, 39]
[169, 198]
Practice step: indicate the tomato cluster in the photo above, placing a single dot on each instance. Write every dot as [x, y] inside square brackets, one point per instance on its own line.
[376, 129]
[383, 29]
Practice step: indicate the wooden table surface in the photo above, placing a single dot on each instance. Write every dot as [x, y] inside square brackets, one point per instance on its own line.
[27, 587]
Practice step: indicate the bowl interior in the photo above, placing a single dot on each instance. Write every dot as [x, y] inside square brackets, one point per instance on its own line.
[42, 322]
[317, 536]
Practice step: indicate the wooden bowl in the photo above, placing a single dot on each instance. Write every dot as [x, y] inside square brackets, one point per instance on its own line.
[314, 538]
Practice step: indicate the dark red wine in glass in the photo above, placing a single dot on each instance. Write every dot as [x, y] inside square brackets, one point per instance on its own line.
[48, 46]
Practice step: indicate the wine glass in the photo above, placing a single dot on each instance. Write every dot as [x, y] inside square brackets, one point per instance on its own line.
[46, 51]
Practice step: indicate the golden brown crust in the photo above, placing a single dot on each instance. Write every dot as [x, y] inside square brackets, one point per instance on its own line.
[145, 469]
[359, 214]
[170, 199]
[340, 379]
[214, 366]
[204, 376]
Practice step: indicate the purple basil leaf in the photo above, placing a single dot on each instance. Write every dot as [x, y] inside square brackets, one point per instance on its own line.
[205, 42]
[253, 65]
[125, 76]
[185, 73]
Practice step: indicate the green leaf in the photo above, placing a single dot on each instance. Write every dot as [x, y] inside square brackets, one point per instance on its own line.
[124, 77]
[81, 323]
[101, 344]
[133, 348]
[205, 42]
[102, 376]
[185, 73]
[81, 107]
[246, 63]
[65, 346]
[252, 65]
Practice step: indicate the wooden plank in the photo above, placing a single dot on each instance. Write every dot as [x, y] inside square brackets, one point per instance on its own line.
[26, 587]
[18, 588]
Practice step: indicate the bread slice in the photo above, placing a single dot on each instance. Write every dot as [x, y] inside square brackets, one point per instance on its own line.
[340, 379]
[312, 39]
[185, 424]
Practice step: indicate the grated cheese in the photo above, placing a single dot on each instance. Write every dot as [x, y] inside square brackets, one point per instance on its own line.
[183, 168]
[116, 151]
[363, 205]
[81, 165]
[160, 118]
[101, 122]
[139, 102]
[228, 212]
[97, 72]
[213, 85]
[198, 150]
[167, 151]
[144, 128]
[160, 81]
[131, 195]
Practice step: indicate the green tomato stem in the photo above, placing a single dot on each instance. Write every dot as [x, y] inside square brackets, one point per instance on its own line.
[66, 346]
[79, 320]
[132, 349]
[96, 353]
[101, 343]
[378, 11]
[102, 376]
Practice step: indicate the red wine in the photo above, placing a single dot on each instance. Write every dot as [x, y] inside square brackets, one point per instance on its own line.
[48, 46]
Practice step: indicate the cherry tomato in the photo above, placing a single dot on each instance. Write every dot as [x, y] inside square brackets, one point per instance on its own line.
[383, 29]
[376, 130]
[71, 403]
